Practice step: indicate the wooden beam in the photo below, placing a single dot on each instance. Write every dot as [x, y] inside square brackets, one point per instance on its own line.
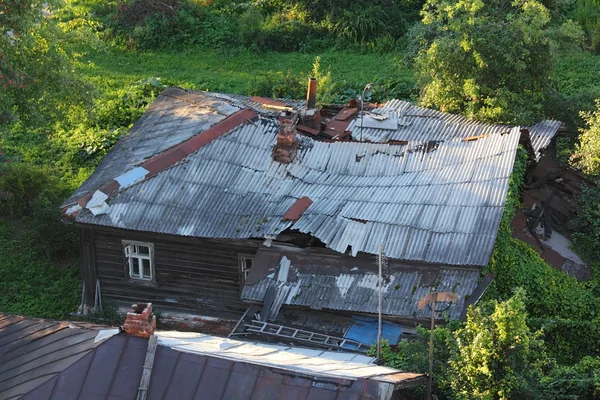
[147, 372]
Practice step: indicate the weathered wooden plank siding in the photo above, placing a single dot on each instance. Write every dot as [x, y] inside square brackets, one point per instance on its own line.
[192, 275]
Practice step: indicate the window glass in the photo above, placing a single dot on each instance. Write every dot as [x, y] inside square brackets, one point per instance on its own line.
[143, 250]
[146, 269]
[135, 269]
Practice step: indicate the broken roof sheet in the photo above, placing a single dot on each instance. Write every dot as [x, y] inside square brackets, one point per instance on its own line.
[410, 123]
[421, 124]
[541, 135]
[34, 351]
[319, 281]
[434, 201]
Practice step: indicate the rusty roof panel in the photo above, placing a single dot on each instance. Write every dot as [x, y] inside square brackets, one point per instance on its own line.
[297, 209]
[167, 122]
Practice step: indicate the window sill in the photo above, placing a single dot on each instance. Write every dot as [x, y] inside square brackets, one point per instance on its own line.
[139, 282]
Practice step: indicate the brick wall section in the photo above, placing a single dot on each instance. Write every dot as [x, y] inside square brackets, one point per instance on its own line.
[140, 321]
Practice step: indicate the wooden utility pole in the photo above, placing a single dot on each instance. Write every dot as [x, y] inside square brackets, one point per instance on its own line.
[431, 299]
[380, 305]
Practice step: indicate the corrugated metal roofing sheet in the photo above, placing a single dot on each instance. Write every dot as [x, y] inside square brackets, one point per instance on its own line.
[356, 291]
[541, 135]
[434, 201]
[422, 124]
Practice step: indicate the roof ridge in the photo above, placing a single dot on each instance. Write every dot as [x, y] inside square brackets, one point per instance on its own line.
[161, 161]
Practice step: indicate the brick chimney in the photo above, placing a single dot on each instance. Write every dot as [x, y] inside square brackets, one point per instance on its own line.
[140, 320]
[285, 148]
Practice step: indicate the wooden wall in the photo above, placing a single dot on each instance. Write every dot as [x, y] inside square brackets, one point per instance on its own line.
[196, 276]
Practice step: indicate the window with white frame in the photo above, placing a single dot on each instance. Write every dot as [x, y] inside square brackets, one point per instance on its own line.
[245, 266]
[140, 258]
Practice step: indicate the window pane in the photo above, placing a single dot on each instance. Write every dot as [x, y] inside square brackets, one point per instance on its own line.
[144, 250]
[146, 269]
[248, 263]
[135, 268]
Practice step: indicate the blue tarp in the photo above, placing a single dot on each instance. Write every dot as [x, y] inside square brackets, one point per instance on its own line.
[364, 330]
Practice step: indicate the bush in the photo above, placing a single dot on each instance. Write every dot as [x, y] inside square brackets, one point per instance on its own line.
[497, 355]
[587, 154]
[488, 60]
[21, 185]
[568, 340]
[587, 13]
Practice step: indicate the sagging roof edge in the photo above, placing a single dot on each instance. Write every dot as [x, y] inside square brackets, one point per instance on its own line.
[477, 294]
[167, 158]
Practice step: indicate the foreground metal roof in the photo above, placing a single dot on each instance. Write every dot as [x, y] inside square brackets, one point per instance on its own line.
[196, 366]
[35, 351]
[428, 199]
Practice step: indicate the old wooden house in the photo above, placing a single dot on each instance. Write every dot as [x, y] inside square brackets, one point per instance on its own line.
[213, 202]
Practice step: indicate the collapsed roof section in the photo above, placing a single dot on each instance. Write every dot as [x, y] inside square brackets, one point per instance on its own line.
[433, 198]
[316, 280]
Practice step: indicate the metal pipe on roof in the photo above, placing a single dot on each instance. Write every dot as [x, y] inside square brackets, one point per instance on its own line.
[311, 95]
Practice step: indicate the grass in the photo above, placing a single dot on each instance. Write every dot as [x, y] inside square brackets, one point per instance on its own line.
[214, 71]
[32, 284]
[577, 74]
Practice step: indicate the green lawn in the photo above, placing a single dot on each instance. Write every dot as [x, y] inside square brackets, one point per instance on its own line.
[214, 71]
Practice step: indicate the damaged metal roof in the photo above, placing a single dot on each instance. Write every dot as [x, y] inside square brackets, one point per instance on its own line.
[427, 200]
[541, 135]
[321, 282]
[410, 123]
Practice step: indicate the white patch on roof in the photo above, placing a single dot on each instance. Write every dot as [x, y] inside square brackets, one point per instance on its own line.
[97, 204]
[284, 269]
[562, 246]
[132, 176]
[305, 361]
[73, 209]
[106, 334]
[344, 282]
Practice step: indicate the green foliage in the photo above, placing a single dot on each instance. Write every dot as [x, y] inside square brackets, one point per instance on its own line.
[36, 64]
[587, 13]
[550, 293]
[586, 241]
[587, 154]
[260, 25]
[497, 355]
[489, 59]
[578, 382]
[31, 284]
[413, 355]
[569, 340]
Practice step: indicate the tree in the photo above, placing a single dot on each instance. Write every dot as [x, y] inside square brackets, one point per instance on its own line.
[37, 78]
[488, 59]
[587, 153]
[497, 356]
